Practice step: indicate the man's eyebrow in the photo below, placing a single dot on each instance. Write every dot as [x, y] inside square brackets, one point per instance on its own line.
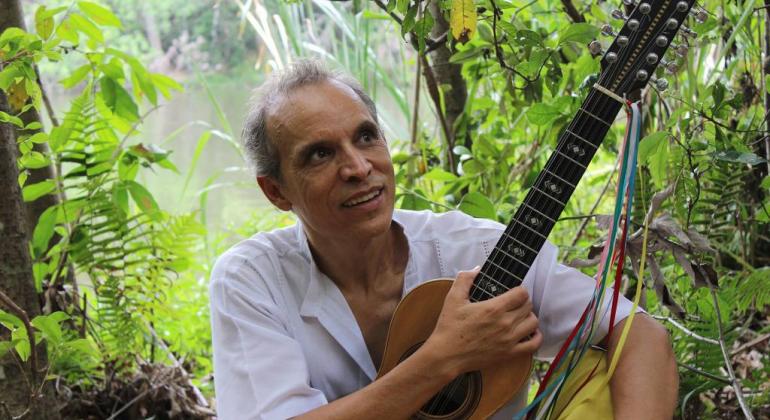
[368, 125]
[308, 148]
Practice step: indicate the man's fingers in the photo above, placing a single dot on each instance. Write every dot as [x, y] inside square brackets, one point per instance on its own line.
[462, 286]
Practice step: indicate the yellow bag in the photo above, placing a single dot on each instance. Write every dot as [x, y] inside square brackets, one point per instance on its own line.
[593, 401]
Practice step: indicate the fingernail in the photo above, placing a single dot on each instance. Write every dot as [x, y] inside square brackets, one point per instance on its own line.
[476, 268]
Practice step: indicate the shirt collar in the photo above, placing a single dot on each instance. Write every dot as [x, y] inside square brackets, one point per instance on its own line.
[324, 301]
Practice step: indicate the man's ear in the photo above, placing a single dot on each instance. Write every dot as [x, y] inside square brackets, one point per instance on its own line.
[273, 191]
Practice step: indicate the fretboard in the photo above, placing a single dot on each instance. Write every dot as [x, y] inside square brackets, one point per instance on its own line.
[517, 248]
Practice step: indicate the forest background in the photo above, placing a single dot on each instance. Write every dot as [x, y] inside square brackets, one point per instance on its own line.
[122, 177]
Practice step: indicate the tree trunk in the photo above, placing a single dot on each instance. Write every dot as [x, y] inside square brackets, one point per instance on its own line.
[447, 74]
[17, 282]
[12, 16]
[16, 278]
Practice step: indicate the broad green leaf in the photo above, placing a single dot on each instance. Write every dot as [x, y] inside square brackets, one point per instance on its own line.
[118, 99]
[529, 38]
[19, 336]
[34, 191]
[763, 214]
[472, 167]
[39, 271]
[410, 201]
[462, 20]
[43, 23]
[84, 25]
[739, 157]
[143, 199]
[9, 319]
[466, 54]
[542, 114]
[99, 14]
[44, 230]
[35, 125]
[531, 68]
[766, 182]
[658, 164]
[6, 346]
[76, 76]
[120, 197]
[478, 205]
[438, 174]
[11, 34]
[8, 118]
[67, 32]
[165, 84]
[649, 144]
[582, 33]
[34, 160]
[408, 23]
[49, 326]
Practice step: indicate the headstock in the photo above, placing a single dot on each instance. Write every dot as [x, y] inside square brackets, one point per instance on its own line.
[641, 44]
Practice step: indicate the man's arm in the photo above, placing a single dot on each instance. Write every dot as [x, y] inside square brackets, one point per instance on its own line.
[468, 336]
[645, 383]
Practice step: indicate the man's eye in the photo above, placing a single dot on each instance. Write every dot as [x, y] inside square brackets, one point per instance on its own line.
[319, 154]
[368, 137]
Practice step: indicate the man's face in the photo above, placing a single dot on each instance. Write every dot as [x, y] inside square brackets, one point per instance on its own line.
[336, 171]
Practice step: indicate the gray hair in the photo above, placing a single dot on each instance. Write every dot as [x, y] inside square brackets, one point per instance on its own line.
[261, 152]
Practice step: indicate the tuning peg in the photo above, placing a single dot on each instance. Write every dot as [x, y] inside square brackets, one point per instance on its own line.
[700, 15]
[645, 8]
[680, 49]
[618, 14]
[670, 66]
[629, 2]
[622, 40]
[689, 33]
[608, 30]
[659, 83]
[595, 47]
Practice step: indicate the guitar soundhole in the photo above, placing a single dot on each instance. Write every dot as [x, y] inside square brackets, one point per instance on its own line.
[457, 400]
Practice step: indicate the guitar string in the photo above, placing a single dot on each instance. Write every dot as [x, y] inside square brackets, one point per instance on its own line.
[537, 198]
[551, 166]
[624, 85]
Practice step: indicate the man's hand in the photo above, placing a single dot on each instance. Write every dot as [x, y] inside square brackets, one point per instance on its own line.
[473, 335]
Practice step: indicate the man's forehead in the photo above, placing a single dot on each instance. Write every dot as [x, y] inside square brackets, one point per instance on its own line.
[310, 107]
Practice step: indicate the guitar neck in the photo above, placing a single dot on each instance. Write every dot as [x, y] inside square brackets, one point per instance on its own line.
[525, 235]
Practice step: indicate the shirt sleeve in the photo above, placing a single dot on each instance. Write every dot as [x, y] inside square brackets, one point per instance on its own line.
[559, 297]
[260, 371]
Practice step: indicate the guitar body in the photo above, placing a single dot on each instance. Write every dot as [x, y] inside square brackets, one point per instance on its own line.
[474, 395]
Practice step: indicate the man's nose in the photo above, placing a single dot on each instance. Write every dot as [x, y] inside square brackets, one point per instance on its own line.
[355, 166]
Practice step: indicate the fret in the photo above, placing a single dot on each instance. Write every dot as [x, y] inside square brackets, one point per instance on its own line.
[573, 160]
[539, 212]
[559, 178]
[513, 257]
[490, 279]
[519, 242]
[537, 221]
[595, 117]
[572, 133]
[534, 187]
[475, 288]
[504, 270]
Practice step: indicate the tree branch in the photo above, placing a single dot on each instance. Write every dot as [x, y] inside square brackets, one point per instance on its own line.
[728, 363]
[572, 12]
[22, 314]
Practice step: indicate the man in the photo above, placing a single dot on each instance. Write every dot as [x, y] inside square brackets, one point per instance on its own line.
[300, 315]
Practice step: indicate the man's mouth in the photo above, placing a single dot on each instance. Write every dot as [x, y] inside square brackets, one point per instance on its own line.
[363, 199]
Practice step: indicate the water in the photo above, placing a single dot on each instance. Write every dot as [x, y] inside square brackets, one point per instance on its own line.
[232, 190]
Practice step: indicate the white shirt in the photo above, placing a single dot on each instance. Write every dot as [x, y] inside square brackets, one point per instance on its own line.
[285, 340]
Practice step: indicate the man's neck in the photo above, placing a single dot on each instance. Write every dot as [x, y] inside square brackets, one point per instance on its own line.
[358, 266]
